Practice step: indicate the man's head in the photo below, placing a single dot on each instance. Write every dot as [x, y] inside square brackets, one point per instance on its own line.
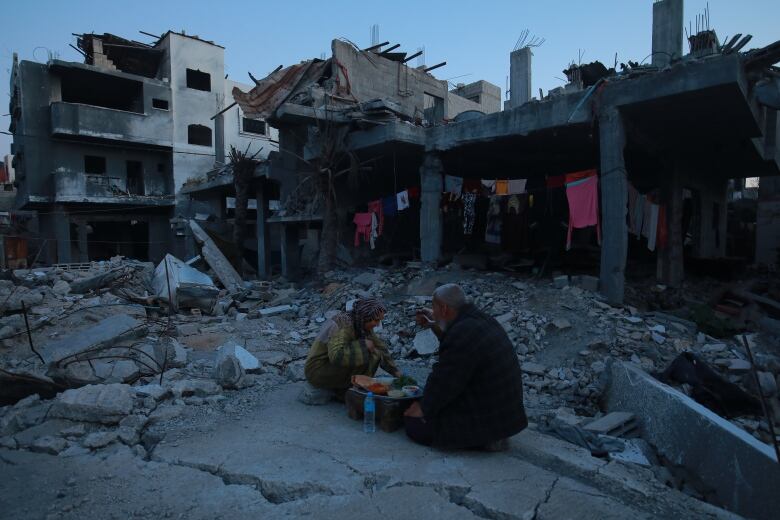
[447, 302]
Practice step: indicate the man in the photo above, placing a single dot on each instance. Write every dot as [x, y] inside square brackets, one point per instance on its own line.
[346, 346]
[474, 395]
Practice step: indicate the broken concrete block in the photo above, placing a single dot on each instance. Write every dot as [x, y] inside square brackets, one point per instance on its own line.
[768, 384]
[561, 323]
[561, 281]
[248, 361]
[125, 371]
[633, 319]
[273, 311]
[98, 440]
[8, 442]
[366, 279]
[50, 445]
[225, 272]
[739, 366]
[196, 387]
[426, 342]
[313, 396]
[228, 371]
[169, 353]
[152, 390]
[657, 338]
[7, 332]
[105, 333]
[190, 288]
[106, 404]
[691, 438]
[713, 348]
[19, 419]
[616, 424]
[534, 368]
[128, 436]
[61, 288]
[78, 430]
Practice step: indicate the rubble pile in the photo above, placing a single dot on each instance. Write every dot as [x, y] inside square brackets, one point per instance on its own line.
[114, 364]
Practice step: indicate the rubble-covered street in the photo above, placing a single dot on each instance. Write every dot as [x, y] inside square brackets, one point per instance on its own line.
[207, 406]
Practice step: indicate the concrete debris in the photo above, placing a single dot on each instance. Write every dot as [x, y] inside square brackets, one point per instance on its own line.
[107, 332]
[97, 440]
[561, 281]
[195, 387]
[225, 272]
[106, 404]
[228, 371]
[768, 384]
[169, 353]
[50, 445]
[426, 342]
[190, 288]
[248, 362]
[616, 424]
[273, 311]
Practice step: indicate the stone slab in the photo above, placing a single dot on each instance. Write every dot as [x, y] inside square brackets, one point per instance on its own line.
[105, 333]
[106, 404]
[744, 475]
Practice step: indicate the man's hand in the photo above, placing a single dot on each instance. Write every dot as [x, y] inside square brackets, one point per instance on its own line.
[414, 411]
[424, 318]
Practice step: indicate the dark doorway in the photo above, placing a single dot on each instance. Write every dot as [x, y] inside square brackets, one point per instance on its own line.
[135, 178]
[129, 239]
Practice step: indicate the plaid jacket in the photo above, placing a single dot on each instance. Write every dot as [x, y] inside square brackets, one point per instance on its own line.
[474, 394]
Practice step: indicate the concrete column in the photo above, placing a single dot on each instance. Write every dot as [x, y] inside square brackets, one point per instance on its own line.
[290, 251]
[431, 183]
[667, 31]
[219, 138]
[62, 234]
[670, 262]
[519, 77]
[83, 242]
[614, 199]
[263, 234]
[710, 237]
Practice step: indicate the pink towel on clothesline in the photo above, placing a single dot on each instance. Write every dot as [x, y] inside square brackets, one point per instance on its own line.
[363, 229]
[583, 199]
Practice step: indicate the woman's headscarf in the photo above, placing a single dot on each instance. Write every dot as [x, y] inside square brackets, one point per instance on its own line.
[363, 311]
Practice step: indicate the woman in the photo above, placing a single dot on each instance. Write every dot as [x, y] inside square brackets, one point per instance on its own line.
[347, 346]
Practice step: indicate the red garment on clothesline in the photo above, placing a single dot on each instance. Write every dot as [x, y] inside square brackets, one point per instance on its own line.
[363, 229]
[583, 206]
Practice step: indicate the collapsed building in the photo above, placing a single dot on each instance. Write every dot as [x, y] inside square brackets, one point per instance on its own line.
[363, 133]
[101, 149]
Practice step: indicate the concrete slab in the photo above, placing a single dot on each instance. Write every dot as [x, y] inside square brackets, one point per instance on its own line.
[742, 471]
[105, 333]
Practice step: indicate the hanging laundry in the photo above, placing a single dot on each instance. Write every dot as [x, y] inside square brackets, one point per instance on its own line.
[374, 234]
[489, 184]
[469, 212]
[414, 192]
[472, 186]
[639, 214]
[580, 175]
[390, 206]
[513, 204]
[453, 184]
[662, 234]
[363, 229]
[583, 206]
[502, 187]
[375, 207]
[493, 230]
[402, 199]
[516, 186]
[632, 195]
[650, 229]
[555, 181]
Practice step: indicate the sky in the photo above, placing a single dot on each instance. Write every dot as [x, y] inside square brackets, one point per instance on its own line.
[474, 38]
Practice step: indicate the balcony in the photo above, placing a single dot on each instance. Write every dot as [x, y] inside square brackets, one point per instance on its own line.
[93, 122]
[104, 189]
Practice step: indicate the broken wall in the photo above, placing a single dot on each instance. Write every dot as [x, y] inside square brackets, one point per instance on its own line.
[768, 222]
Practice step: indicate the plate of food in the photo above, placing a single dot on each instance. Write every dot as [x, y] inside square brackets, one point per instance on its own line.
[403, 387]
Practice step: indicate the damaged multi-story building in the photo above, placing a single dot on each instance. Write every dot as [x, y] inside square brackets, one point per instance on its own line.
[103, 147]
[362, 134]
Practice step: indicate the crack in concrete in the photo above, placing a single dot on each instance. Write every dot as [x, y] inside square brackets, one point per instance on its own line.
[458, 495]
[275, 492]
[548, 494]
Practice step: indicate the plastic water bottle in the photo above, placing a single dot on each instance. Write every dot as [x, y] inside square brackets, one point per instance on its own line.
[369, 414]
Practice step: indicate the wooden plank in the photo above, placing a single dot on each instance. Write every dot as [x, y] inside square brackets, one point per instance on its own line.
[225, 272]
